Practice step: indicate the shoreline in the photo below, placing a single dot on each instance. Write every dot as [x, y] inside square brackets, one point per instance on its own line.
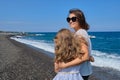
[27, 63]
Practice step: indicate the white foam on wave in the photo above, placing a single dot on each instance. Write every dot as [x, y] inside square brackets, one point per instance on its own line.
[106, 60]
[36, 43]
[39, 34]
[101, 59]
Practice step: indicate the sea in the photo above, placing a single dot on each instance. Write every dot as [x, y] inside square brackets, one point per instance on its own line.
[105, 46]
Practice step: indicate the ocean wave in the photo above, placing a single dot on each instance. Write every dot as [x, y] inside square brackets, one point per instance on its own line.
[39, 34]
[106, 60]
[101, 59]
[106, 55]
[37, 43]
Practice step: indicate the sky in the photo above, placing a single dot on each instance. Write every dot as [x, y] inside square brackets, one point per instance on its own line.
[50, 15]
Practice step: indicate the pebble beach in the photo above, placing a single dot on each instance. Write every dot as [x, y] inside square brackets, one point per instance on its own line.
[22, 62]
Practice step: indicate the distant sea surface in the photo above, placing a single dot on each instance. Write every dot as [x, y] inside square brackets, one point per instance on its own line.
[105, 46]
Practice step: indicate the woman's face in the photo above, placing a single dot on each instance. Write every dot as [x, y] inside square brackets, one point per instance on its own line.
[73, 24]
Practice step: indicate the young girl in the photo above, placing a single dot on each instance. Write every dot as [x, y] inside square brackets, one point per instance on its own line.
[67, 48]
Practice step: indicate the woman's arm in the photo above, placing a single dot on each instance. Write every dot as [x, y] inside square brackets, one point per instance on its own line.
[78, 60]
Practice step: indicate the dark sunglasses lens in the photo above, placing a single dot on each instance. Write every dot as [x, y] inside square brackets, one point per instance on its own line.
[73, 19]
[68, 19]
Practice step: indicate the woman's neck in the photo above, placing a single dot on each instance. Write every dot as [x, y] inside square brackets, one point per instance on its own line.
[77, 28]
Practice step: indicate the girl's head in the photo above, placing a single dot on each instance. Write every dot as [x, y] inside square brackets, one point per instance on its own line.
[76, 19]
[66, 46]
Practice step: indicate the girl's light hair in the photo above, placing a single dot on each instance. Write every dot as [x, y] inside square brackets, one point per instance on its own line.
[67, 46]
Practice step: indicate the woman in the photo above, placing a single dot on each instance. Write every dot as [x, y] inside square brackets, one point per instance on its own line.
[67, 48]
[76, 20]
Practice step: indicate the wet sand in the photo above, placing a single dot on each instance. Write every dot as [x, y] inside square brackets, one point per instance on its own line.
[22, 62]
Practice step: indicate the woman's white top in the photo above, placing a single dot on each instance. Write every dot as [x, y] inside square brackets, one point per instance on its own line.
[85, 68]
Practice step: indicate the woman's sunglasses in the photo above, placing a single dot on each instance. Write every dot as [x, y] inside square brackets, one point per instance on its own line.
[73, 19]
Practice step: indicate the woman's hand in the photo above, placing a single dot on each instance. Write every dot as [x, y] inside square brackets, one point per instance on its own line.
[91, 59]
[59, 65]
[62, 65]
[56, 67]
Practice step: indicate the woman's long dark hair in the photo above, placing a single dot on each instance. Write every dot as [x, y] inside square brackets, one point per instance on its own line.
[81, 18]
